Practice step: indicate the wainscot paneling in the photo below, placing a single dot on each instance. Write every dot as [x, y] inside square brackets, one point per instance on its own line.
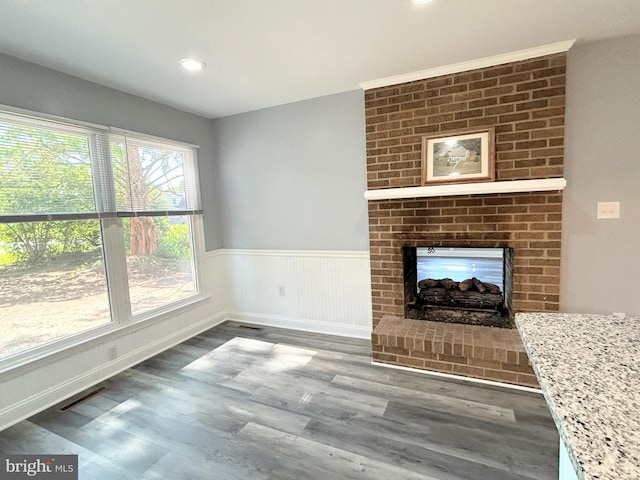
[319, 291]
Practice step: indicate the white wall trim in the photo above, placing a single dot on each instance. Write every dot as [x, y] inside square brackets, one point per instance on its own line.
[517, 56]
[52, 396]
[291, 253]
[214, 253]
[301, 324]
[513, 186]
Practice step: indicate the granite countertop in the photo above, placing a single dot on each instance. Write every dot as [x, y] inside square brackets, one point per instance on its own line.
[588, 367]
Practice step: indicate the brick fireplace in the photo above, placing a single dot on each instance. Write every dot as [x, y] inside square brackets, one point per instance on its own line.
[525, 102]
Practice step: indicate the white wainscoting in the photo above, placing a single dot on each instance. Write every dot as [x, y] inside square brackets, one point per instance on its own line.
[318, 291]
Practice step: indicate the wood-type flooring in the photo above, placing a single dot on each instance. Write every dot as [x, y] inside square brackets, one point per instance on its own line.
[240, 403]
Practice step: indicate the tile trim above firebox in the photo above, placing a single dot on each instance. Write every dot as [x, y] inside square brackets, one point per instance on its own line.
[515, 186]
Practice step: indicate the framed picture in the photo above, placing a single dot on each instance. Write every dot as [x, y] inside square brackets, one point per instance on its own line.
[466, 156]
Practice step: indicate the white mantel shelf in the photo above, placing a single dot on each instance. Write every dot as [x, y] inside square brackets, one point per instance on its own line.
[515, 186]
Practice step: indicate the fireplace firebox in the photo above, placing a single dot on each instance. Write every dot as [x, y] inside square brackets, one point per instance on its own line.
[459, 285]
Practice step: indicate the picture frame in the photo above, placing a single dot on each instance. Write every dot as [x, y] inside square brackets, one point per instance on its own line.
[457, 157]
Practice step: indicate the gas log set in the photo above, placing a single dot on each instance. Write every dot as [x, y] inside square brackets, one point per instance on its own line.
[470, 301]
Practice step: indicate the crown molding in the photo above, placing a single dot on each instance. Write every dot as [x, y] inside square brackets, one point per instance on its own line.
[520, 55]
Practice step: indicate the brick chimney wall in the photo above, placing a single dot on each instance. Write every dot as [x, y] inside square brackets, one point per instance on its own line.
[525, 102]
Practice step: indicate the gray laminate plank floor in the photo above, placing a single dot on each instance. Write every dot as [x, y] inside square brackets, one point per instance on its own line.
[267, 404]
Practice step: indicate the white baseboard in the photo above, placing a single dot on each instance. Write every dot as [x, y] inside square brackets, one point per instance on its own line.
[341, 330]
[52, 396]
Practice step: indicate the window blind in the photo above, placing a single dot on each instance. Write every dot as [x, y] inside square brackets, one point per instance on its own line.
[55, 171]
[154, 178]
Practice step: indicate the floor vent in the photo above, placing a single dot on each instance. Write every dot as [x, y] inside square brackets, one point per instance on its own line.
[85, 396]
[250, 327]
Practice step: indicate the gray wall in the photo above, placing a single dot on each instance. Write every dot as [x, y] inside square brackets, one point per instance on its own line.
[601, 258]
[29, 86]
[292, 177]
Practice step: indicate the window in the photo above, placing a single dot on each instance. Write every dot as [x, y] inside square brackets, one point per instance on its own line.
[155, 184]
[96, 230]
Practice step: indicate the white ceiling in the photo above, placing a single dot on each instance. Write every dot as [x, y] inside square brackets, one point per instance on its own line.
[262, 53]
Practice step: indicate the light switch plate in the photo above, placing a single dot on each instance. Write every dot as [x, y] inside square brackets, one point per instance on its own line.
[608, 210]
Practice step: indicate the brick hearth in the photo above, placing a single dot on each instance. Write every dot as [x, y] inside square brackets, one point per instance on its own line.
[480, 352]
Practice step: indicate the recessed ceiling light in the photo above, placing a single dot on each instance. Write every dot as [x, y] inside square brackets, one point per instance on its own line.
[420, 2]
[192, 64]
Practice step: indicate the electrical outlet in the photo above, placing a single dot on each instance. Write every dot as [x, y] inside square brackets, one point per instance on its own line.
[281, 291]
[608, 210]
[112, 353]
